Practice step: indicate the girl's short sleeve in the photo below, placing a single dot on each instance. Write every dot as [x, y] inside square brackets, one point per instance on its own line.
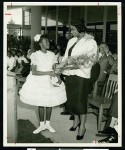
[33, 59]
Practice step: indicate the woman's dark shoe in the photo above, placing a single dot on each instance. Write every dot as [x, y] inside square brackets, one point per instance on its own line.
[71, 117]
[73, 129]
[80, 137]
[64, 113]
[110, 139]
[108, 131]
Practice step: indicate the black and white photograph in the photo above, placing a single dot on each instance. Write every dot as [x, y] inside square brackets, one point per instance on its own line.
[65, 149]
[70, 149]
[62, 74]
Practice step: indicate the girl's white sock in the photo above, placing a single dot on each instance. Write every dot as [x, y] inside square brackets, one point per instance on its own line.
[47, 122]
[42, 123]
[40, 128]
[48, 126]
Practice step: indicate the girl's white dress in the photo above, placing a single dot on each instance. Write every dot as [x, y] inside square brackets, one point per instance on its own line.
[39, 90]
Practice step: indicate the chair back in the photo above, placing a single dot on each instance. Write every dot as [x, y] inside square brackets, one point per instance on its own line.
[110, 86]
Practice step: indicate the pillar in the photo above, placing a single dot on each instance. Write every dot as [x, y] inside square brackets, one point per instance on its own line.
[41, 19]
[81, 11]
[35, 23]
[69, 21]
[57, 10]
[104, 23]
[46, 16]
[22, 21]
[85, 14]
[20, 31]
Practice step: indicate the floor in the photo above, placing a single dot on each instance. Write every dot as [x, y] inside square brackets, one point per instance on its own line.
[61, 124]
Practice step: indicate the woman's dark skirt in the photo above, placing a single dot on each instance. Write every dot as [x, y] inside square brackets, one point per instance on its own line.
[77, 94]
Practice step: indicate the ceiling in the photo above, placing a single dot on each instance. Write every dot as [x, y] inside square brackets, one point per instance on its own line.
[94, 13]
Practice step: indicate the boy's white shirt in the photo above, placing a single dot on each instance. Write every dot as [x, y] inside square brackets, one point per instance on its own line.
[11, 62]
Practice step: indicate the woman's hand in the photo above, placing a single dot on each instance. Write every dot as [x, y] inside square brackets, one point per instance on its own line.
[59, 71]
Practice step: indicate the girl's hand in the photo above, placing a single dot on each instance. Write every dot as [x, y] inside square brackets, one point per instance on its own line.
[59, 80]
[52, 73]
[58, 71]
[54, 66]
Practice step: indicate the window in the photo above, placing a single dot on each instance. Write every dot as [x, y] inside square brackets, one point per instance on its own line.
[27, 17]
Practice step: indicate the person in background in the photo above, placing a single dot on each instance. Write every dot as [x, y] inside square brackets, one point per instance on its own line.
[114, 68]
[110, 132]
[21, 58]
[21, 63]
[105, 61]
[26, 64]
[58, 53]
[13, 51]
[29, 52]
[11, 62]
[14, 54]
[115, 56]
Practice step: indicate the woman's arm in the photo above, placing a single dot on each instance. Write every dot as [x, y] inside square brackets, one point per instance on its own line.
[71, 67]
[41, 73]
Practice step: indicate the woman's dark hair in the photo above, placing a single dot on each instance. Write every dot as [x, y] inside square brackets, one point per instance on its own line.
[80, 25]
[36, 44]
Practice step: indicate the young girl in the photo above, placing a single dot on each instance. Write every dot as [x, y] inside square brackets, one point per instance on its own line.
[38, 89]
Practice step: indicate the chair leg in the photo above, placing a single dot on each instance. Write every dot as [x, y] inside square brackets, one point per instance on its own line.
[100, 117]
[17, 86]
[95, 90]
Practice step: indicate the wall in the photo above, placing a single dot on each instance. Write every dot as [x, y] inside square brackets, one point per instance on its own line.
[26, 32]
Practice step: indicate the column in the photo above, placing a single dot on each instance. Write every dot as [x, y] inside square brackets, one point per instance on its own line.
[41, 19]
[85, 14]
[20, 31]
[22, 21]
[104, 23]
[81, 11]
[57, 10]
[69, 22]
[35, 23]
[46, 19]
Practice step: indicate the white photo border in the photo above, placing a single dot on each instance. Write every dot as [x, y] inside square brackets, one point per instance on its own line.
[119, 37]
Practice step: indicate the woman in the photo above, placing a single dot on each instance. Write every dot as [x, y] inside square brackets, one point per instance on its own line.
[38, 89]
[77, 78]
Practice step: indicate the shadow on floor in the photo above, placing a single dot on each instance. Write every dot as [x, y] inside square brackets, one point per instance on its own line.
[25, 133]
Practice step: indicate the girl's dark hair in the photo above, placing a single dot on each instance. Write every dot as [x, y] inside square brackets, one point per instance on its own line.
[36, 44]
[80, 25]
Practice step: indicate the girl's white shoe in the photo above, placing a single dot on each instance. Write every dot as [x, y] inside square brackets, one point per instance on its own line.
[40, 128]
[48, 127]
